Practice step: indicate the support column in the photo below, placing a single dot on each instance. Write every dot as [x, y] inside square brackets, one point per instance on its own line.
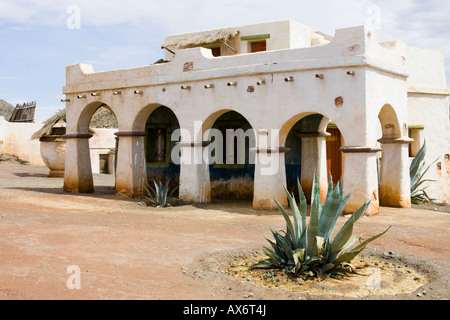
[395, 182]
[131, 170]
[78, 172]
[195, 184]
[314, 161]
[417, 137]
[270, 178]
[360, 169]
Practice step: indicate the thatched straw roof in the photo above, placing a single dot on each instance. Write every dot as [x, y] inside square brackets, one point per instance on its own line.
[190, 40]
[24, 113]
[102, 118]
[48, 125]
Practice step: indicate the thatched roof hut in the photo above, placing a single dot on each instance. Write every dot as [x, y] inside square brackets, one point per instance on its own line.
[47, 128]
[102, 118]
[190, 40]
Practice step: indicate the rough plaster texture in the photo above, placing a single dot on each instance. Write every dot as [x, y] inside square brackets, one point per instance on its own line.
[15, 139]
[103, 142]
[428, 106]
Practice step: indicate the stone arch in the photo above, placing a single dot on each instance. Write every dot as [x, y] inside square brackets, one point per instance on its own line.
[307, 136]
[85, 116]
[209, 121]
[320, 127]
[78, 173]
[132, 175]
[390, 126]
[394, 180]
[162, 129]
[142, 116]
[232, 168]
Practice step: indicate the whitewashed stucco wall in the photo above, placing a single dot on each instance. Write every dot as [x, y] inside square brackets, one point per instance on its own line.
[17, 141]
[428, 106]
[356, 68]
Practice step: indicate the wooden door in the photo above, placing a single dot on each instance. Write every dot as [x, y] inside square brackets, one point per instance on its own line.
[259, 46]
[104, 163]
[334, 155]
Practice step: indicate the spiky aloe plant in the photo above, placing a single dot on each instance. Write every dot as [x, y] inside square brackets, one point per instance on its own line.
[310, 249]
[416, 173]
[159, 196]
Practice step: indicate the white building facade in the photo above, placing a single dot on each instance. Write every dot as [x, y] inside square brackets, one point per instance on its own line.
[293, 89]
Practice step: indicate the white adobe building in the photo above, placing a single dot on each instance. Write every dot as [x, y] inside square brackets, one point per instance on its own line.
[315, 103]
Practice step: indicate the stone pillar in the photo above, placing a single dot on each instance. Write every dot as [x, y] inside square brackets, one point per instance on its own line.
[314, 161]
[395, 182]
[418, 137]
[270, 178]
[131, 173]
[195, 184]
[360, 169]
[78, 171]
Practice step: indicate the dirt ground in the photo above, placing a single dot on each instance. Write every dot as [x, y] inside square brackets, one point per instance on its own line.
[125, 250]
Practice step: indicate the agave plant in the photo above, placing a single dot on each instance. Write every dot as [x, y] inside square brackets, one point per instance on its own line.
[310, 249]
[419, 195]
[159, 196]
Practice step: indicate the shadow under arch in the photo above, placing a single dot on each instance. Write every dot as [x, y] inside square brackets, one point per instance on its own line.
[158, 123]
[208, 123]
[231, 161]
[314, 143]
[142, 116]
[320, 126]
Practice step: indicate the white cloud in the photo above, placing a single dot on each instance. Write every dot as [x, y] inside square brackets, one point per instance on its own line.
[9, 77]
[422, 24]
[180, 15]
[412, 20]
[93, 13]
[417, 23]
[107, 58]
[14, 11]
[190, 15]
[17, 28]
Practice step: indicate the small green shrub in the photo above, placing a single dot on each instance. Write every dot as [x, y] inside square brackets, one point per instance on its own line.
[159, 195]
[416, 173]
[308, 249]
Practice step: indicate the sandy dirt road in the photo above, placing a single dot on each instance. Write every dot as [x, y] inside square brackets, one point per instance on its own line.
[125, 250]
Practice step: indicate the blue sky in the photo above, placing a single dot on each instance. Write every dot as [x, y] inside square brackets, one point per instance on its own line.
[39, 38]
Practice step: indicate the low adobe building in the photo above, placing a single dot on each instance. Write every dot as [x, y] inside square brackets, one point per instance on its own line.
[305, 101]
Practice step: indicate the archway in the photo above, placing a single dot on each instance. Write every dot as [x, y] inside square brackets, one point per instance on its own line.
[231, 162]
[145, 151]
[103, 144]
[313, 142]
[90, 150]
[390, 126]
[158, 146]
[394, 180]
